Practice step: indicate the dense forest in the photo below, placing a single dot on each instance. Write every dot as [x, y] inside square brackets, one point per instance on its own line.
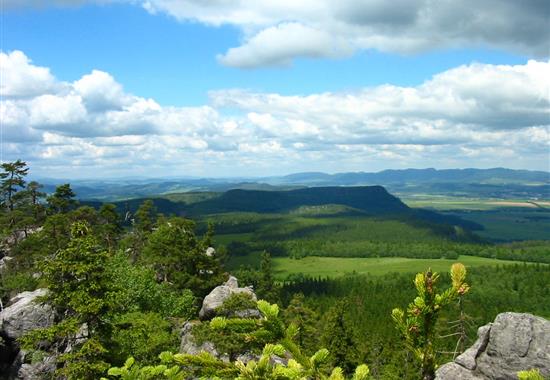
[134, 279]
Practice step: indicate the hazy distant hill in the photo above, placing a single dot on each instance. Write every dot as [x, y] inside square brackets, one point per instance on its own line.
[496, 176]
[498, 182]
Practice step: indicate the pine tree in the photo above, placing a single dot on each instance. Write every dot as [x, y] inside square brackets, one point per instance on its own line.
[146, 217]
[110, 224]
[78, 291]
[338, 337]
[63, 199]
[418, 325]
[29, 200]
[179, 257]
[307, 321]
[267, 288]
[12, 179]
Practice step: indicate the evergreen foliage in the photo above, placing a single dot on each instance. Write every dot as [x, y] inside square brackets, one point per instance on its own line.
[78, 291]
[307, 321]
[178, 257]
[418, 324]
[338, 337]
[62, 200]
[235, 303]
[279, 359]
[123, 291]
[12, 179]
[532, 374]
[266, 286]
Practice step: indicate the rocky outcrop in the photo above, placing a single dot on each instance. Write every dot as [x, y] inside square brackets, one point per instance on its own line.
[210, 308]
[4, 263]
[188, 344]
[217, 296]
[14, 238]
[513, 342]
[210, 252]
[24, 313]
[26, 367]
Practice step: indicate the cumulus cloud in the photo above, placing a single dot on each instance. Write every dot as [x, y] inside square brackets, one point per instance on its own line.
[100, 92]
[20, 78]
[277, 31]
[319, 28]
[278, 45]
[472, 115]
[494, 97]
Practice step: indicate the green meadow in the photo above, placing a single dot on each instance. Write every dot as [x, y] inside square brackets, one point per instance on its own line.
[332, 267]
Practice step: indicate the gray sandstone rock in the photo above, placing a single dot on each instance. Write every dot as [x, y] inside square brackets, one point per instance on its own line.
[219, 294]
[22, 315]
[189, 346]
[248, 313]
[210, 251]
[468, 358]
[513, 342]
[4, 263]
[25, 314]
[25, 368]
[16, 237]
[456, 372]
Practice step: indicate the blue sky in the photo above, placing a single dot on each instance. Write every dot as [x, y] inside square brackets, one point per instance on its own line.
[208, 89]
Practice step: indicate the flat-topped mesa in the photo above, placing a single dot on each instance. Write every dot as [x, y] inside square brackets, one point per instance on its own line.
[513, 342]
[368, 199]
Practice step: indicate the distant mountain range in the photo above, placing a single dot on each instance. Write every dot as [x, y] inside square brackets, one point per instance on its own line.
[496, 176]
[497, 182]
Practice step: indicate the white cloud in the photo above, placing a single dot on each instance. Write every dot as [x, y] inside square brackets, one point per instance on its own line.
[278, 31]
[20, 78]
[474, 115]
[279, 45]
[100, 92]
[56, 111]
[487, 96]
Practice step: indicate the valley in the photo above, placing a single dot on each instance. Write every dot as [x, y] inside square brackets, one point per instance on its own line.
[323, 254]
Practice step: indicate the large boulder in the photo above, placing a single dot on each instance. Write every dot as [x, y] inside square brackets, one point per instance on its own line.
[27, 367]
[513, 342]
[189, 345]
[16, 237]
[24, 313]
[220, 293]
[4, 263]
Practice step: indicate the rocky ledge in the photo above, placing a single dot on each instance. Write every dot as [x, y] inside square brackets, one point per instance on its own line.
[513, 342]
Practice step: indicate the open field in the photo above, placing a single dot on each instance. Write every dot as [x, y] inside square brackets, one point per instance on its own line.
[510, 224]
[443, 203]
[503, 220]
[336, 267]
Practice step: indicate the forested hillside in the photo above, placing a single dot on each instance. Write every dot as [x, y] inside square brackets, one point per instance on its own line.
[120, 293]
